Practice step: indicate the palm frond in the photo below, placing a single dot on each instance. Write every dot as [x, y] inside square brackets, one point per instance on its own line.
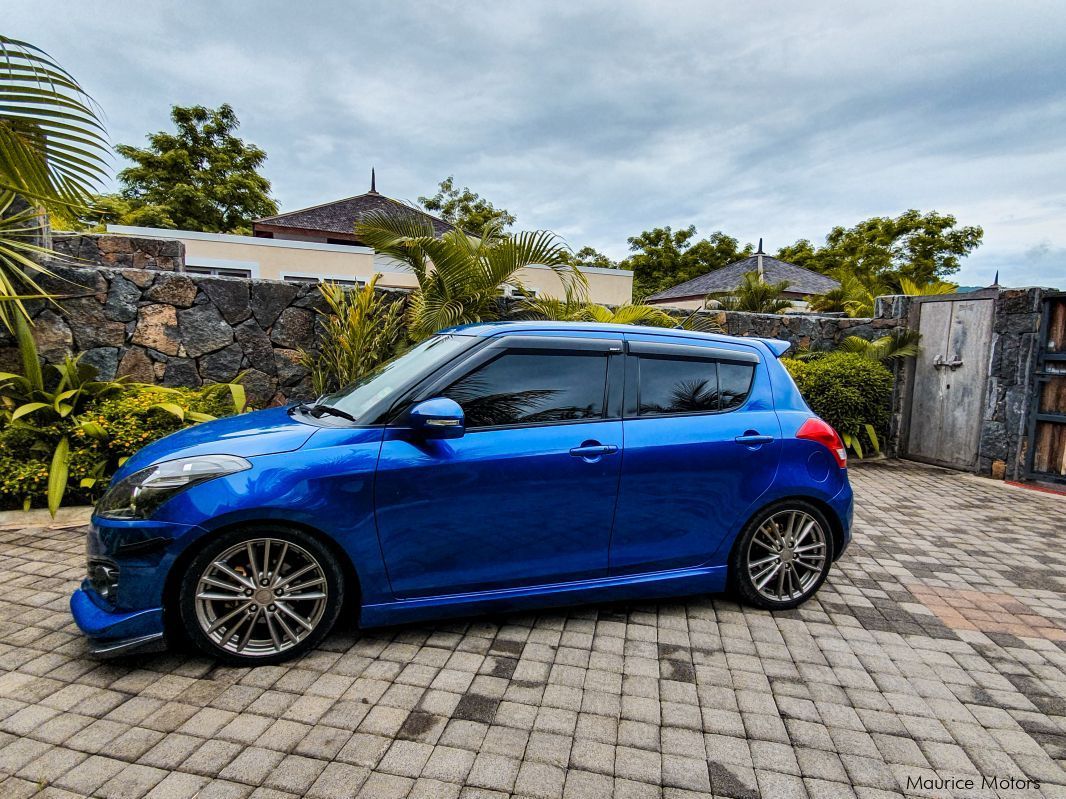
[930, 289]
[53, 147]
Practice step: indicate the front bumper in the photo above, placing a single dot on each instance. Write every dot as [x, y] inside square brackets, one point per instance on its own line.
[114, 633]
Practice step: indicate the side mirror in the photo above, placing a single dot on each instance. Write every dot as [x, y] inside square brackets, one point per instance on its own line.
[439, 417]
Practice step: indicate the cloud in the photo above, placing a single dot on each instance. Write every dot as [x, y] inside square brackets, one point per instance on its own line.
[599, 120]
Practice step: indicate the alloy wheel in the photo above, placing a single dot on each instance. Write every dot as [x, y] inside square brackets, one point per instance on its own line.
[786, 555]
[261, 597]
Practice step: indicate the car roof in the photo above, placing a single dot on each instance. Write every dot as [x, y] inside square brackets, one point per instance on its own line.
[776, 346]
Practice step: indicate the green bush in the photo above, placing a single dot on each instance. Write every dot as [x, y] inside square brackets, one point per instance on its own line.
[851, 392]
[108, 431]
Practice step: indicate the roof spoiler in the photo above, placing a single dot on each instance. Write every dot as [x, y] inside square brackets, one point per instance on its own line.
[777, 346]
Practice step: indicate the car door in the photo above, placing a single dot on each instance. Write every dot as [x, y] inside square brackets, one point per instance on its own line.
[527, 495]
[702, 444]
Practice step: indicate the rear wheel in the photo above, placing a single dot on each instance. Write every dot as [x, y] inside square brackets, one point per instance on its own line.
[782, 556]
[260, 595]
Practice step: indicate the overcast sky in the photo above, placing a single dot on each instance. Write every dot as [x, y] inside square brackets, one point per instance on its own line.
[600, 120]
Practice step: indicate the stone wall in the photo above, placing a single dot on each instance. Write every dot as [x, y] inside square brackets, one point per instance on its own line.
[121, 252]
[178, 329]
[1015, 344]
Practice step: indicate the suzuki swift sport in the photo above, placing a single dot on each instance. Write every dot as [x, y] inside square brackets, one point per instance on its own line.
[494, 467]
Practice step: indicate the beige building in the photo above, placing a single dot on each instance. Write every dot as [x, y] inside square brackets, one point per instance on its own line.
[319, 243]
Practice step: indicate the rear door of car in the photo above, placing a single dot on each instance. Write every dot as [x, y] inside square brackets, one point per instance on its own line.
[702, 444]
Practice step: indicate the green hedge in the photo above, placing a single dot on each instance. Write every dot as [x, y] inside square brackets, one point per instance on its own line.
[847, 390]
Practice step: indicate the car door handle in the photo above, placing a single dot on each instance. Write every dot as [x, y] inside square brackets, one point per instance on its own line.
[752, 439]
[593, 450]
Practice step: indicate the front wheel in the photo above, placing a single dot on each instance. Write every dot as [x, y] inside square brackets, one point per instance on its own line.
[260, 595]
[782, 556]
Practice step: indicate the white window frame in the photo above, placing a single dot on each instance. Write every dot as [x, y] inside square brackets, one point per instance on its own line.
[354, 281]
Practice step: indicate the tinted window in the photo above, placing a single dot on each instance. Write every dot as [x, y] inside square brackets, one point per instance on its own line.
[673, 385]
[734, 383]
[676, 385]
[528, 388]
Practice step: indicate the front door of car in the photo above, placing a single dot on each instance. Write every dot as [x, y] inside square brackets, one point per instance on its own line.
[702, 445]
[527, 495]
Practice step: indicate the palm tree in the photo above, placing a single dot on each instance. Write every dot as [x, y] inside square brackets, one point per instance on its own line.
[754, 295]
[576, 307]
[901, 344]
[930, 289]
[53, 156]
[460, 276]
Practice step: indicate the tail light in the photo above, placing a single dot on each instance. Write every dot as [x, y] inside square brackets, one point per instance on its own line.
[815, 429]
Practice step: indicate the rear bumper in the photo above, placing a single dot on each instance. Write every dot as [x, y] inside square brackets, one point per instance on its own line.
[844, 505]
[112, 633]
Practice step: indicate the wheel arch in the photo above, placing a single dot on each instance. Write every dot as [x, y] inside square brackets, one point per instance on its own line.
[350, 608]
[836, 526]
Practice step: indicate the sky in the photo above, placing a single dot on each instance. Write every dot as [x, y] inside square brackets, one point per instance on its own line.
[599, 120]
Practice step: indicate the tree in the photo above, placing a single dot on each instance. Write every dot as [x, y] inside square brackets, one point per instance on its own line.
[202, 177]
[922, 247]
[663, 258]
[465, 209]
[53, 157]
[459, 276]
[590, 257]
[754, 295]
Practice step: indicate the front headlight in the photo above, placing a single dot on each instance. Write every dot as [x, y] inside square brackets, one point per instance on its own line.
[140, 494]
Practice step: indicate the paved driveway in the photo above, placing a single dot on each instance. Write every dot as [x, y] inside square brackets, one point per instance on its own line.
[936, 650]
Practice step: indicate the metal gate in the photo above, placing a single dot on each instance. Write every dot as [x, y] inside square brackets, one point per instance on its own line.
[1046, 457]
[950, 380]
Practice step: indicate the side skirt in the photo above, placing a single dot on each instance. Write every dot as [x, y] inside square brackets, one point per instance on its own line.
[678, 582]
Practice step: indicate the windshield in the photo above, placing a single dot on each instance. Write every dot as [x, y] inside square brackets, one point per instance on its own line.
[390, 378]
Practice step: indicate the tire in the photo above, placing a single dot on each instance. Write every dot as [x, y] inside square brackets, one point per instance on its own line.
[237, 620]
[772, 533]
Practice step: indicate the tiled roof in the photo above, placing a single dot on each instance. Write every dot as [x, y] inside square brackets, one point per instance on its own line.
[728, 278]
[340, 216]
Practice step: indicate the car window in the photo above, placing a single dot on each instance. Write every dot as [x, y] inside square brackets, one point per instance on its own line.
[734, 384]
[686, 385]
[532, 388]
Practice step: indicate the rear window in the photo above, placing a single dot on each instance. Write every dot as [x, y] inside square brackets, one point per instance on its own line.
[671, 386]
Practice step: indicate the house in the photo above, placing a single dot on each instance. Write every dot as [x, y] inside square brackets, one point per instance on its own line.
[802, 283]
[334, 222]
[316, 244]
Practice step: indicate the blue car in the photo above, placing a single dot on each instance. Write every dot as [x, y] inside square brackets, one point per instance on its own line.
[494, 467]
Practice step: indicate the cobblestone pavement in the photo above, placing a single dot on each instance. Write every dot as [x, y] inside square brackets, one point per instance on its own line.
[936, 650]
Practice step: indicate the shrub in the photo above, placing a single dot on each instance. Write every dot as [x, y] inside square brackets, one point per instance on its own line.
[360, 330]
[851, 392]
[110, 429]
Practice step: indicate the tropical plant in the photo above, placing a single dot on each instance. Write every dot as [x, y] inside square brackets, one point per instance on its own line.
[53, 149]
[576, 307]
[753, 295]
[360, 329]
[851, 392]
[53, 433]
[53, 154]
[930, 289]
[47, 401]
[460, 276]
[886, 349]
[895, 347]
